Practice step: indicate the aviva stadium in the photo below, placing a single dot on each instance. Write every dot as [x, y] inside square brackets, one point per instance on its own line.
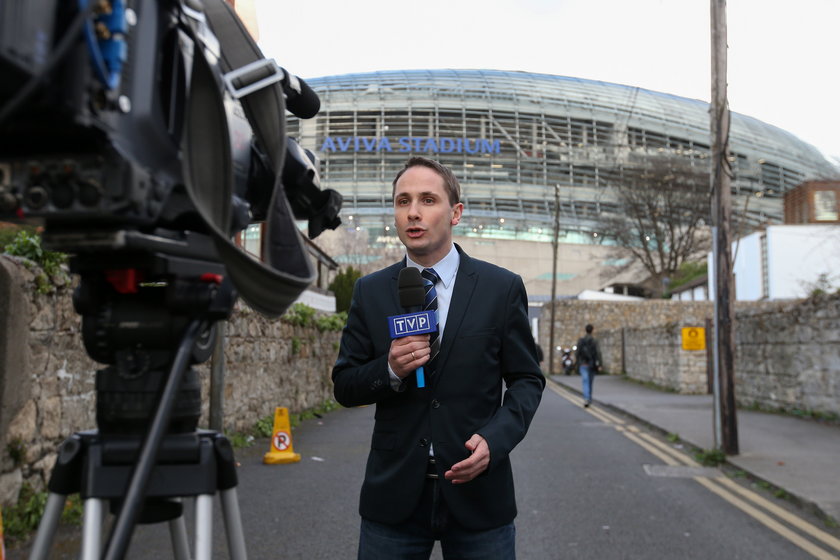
[515, 138]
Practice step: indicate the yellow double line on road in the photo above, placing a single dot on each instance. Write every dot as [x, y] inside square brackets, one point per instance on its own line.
[743, 498]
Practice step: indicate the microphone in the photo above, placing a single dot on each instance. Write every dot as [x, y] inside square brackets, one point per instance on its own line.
[301, 101]
[412, 296]
[412, 293]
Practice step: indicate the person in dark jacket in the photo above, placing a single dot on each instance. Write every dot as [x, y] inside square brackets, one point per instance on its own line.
[439, 467]
[588, 357]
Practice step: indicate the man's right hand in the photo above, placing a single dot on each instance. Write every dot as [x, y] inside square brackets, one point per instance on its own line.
[408, 353]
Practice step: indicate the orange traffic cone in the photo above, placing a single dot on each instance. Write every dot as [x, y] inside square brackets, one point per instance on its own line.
[281, 440]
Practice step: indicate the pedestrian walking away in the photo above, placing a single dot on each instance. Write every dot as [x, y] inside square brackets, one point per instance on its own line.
[588, 357]
[439, 468]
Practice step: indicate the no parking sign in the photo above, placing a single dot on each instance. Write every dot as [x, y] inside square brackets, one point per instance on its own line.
[282, 441]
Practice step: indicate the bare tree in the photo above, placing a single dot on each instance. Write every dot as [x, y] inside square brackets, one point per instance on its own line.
[662, 209]
[352, 247]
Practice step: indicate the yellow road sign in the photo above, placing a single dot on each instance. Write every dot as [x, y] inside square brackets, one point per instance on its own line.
[693, 338]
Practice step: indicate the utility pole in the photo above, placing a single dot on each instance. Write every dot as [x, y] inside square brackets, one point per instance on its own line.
[721, 216]
[554, 245]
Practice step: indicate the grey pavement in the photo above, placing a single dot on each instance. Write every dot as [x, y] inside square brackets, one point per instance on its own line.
[800, 456]
[584, 491]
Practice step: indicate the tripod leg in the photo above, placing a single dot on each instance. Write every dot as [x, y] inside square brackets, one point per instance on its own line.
[47, 526]
[233, 524]
[203, 526]
[178, 535]
[92, 528]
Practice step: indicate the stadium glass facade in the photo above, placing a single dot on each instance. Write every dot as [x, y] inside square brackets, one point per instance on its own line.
[512, 138]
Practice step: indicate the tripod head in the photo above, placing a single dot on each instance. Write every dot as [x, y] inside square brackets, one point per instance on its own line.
[135, 306]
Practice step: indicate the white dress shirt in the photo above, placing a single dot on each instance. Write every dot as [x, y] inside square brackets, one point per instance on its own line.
[446, 269]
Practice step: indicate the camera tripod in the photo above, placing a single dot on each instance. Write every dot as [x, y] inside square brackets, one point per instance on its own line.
[196, 465]
[150, 315]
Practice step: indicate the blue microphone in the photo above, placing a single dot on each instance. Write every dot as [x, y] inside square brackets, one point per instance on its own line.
[416, 321]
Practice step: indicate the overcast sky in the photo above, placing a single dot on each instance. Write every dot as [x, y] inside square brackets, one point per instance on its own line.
[784, 55]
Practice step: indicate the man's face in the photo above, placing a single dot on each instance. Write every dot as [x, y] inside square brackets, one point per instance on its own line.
[423, 215]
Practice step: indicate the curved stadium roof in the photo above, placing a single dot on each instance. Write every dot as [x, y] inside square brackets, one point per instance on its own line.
[511, 137]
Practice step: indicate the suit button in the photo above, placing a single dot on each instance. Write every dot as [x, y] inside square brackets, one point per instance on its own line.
[424, 442]
[435, 403]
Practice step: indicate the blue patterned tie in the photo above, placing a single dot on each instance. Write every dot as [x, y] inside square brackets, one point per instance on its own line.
[430, 303]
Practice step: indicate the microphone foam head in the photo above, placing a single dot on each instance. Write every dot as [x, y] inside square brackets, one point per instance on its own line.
[411, 288]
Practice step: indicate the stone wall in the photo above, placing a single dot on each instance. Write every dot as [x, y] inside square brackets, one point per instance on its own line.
[790, 358]
[47, 380]
[271, 363]
[610, 317]
[787, 353]
[655, 355]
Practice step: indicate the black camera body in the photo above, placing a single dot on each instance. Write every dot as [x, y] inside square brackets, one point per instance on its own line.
[83, 152]
[72, 153]
[95, 117]
[110, 112]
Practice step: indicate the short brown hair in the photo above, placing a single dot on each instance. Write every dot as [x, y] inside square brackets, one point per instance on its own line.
[450, 182]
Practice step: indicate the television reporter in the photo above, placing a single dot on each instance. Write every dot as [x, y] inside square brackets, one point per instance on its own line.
[439, 466]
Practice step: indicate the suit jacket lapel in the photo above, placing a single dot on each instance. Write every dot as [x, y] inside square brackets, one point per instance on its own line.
[465, 282]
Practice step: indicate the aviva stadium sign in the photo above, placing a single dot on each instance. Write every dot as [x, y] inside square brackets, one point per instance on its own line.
[435, 145]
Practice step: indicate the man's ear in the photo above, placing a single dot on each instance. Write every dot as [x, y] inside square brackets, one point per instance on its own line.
[457, 212]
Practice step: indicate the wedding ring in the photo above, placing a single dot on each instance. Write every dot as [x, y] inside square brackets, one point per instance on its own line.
[413, 357]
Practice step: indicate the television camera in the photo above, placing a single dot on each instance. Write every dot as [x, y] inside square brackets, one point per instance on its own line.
[143, 135]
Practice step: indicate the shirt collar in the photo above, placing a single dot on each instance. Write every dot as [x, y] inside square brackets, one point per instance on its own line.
[446, 268]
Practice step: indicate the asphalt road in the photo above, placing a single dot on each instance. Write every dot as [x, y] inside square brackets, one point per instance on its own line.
[584, 490]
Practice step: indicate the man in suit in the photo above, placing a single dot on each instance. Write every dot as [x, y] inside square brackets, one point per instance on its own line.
[438, 467]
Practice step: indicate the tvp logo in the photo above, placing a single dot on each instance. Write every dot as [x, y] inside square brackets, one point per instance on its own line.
[422, 322]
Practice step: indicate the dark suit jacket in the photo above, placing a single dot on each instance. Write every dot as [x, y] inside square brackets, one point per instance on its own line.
[487, 340]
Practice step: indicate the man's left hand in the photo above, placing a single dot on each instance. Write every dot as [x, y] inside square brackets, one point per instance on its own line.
[472, 466]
